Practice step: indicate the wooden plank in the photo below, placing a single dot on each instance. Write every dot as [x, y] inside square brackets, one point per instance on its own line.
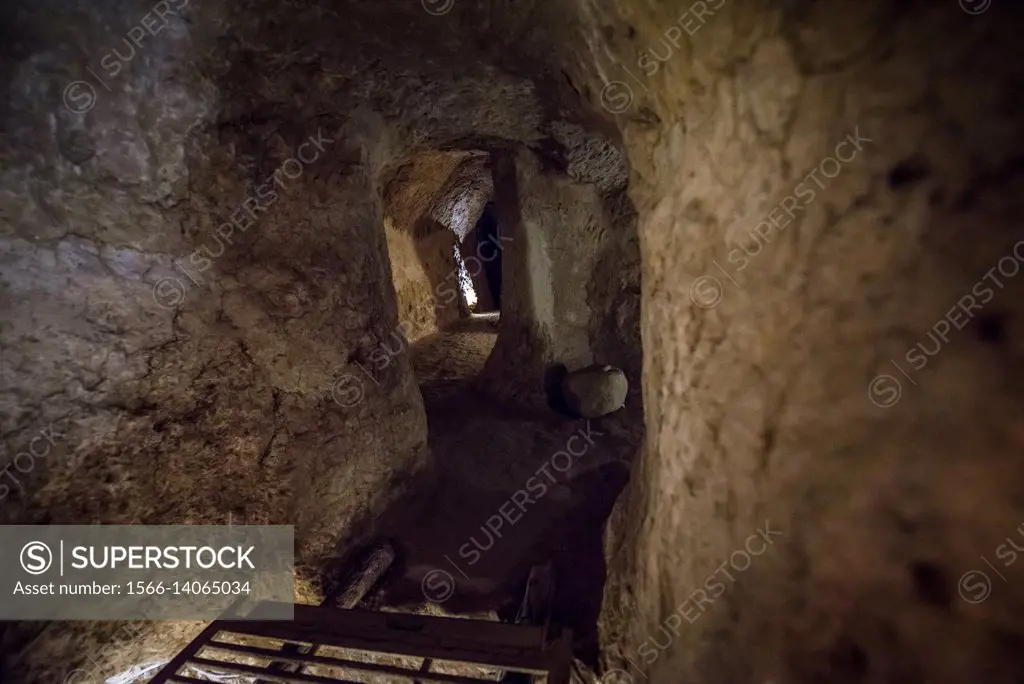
[414, 627]
[424, 668]
[183, 656]
[356, 585]
[359, 581]
[522, 659]
[561, 666]
[480, 642]
[287, 677]
[286, 665]
[326, 661]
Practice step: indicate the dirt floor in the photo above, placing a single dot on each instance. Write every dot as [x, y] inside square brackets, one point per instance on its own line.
[485, 452]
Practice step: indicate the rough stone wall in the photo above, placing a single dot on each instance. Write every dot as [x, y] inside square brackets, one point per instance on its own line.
[220, 387]
[523, 339]
[577, 233]
[613, 294]
[147, 361]
[570, 275]
[187, 342]
[311, 295]
[460, 208]
[816, 486]
[190, 365]
[462, 200]
[413, 287]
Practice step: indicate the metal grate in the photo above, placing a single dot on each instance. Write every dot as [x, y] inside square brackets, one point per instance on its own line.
[302, 644]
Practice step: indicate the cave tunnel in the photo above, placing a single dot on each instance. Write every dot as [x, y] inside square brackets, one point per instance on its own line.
[684, 335]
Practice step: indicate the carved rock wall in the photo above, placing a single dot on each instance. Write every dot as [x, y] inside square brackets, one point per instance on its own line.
[570, 278]
[829, 201]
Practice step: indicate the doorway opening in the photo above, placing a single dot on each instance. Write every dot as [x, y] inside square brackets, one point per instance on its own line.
[488, 240]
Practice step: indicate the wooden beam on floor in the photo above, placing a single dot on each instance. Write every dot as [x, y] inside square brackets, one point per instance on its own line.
[357, 584]
[423, 636]
[178, 661]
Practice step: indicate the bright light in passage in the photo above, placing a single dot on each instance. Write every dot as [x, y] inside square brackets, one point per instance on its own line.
[465, 282]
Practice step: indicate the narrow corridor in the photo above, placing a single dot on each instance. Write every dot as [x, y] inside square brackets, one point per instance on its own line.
[496, 465]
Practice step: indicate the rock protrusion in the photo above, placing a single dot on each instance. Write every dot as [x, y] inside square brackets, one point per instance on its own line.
[595, 390]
